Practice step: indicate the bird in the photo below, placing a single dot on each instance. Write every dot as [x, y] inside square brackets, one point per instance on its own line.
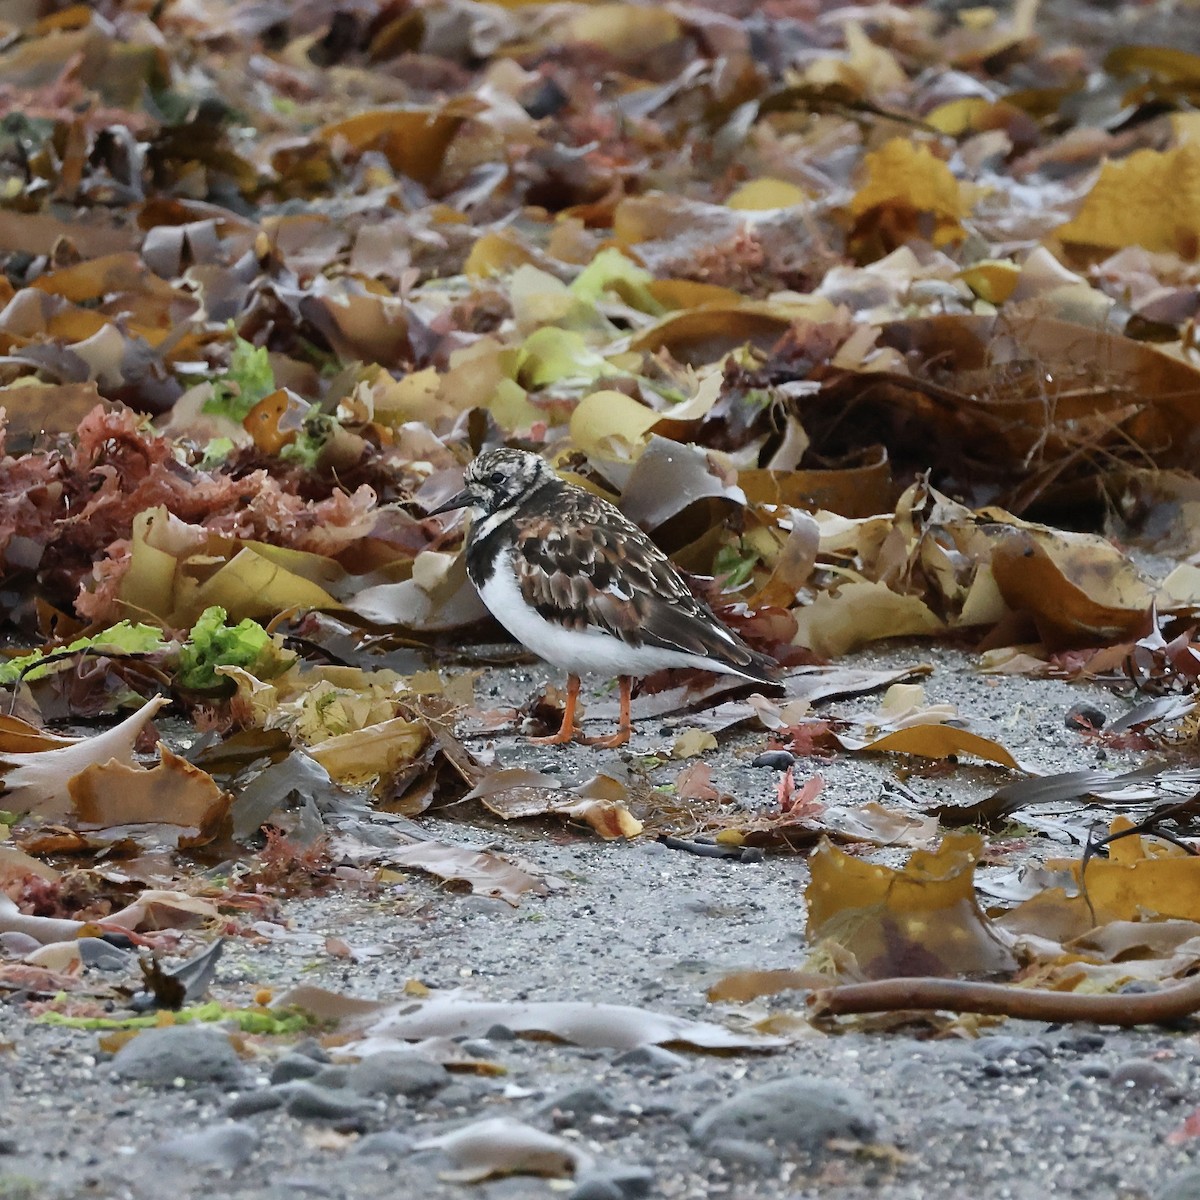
[579, 584]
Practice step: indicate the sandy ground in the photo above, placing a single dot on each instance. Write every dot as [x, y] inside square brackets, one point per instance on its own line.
[1024, 1111]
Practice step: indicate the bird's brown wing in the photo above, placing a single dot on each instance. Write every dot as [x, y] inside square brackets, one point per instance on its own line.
[587, 566]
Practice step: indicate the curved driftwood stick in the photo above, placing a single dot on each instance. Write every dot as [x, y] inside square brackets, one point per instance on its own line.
[957, 995]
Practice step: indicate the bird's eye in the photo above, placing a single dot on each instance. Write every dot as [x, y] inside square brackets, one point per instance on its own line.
[496, 478]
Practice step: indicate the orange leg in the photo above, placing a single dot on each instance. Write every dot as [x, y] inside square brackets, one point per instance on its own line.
[566, 731]
[626, 727]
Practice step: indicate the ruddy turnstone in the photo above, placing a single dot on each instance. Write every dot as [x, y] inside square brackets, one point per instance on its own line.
[574, 580]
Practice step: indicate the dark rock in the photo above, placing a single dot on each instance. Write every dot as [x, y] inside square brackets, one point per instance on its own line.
[1085, 717]
[294, 1066]
[478, 1047]
[250, 1103]
[500, 1033]
[774, 760]
[800, 1111]
[313, 1049]
[651, 1060]
[1182, 1187]
[385, 1144]
[613, 1183]
[8, 1144]
[1083, 1042]
[96, 952]
[219, 1148]
[748, 1155]
[395, 1073]
[1093, 1068]
[188, 1052]
[333, 1077]
[577, 1106]
[310, 1101]
[1143, 1076]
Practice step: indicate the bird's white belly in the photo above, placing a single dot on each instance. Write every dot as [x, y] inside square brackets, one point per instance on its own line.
[575, 650]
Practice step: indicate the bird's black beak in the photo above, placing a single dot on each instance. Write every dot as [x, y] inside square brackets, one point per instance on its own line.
[458, 500]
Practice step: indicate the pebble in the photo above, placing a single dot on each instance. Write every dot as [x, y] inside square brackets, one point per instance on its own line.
[311, 1101]
[18, 944]
[333, 1076]
[249, 1103]
[487, 905]
[96, 952]
[395, 1073]
[1083, 1042]
[1182, 1187]
[219, 1148]
[577, 1106]
[8, 1144]
[1141, 1075]
[294, 1066]
[385, 1144]
[742, 1153]
[774, 760]
[651, 1059]
[613, 1183]
[188, 1052]
[799, 1111]
[1084, 716]
[313, 1049]
[500, 1033]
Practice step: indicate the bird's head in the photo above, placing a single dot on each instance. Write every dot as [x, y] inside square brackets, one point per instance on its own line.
[498, 480]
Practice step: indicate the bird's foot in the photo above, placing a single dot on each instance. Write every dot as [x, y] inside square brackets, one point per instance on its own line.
[610, 741]
[561, 738]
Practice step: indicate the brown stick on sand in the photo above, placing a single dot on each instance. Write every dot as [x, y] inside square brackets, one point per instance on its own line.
[957, 995]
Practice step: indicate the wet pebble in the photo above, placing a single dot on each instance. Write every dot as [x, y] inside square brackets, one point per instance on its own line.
[613, 1183]
[1182, 1187]
[774, 760]
[219, 1148]
[96, 952]
[653, 1060]
[250, 1103]
[395, 1073]
[577, 1106]
[1143, 1076]
[294, 1066]
[18, 944]
[311, 1101]
[1084, 717]
[387, 1143]
[749, 1156]
[187, 1052]
[800, 1111]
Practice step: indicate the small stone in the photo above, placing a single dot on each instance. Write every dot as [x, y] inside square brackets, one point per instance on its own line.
[613, 1183]
[250, 1103]
[294, 1066]
[1083, 1042]
[310, 1101]
[1182, 1187]
[313, 1049]
[333, 1076]
[219, 1148]
[8, 1144]
[577, 1106]
[187, 1052]
[739, 1152]
[1142, 1076]
[18, 944]
[385, 1144]
[1085, 717]
[651, 1060]
[774, 760]
[478, 1047]
[1093, 1068]
[96, 952]
[395, 1073]
[800, 1111]
[500, 1033]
